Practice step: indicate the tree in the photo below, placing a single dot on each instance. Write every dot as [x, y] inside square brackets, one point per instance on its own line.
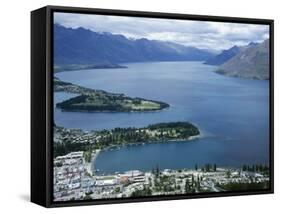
[202, 169]
[117, 189]
[215, 167]
[253, 167]
[187, 187]
[157, 171]
[207, 167]
[87, 197]
[153, 171]
[228, 173]
[136, 102]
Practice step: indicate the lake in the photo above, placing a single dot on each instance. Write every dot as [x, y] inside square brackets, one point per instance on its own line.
[231, 113]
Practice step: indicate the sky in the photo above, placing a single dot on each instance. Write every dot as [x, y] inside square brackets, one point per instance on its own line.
[201, 34]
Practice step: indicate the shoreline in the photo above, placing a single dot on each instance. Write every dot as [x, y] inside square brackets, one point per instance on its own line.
[219, 169]
[158, 141]
[93, 159]
[109, 111]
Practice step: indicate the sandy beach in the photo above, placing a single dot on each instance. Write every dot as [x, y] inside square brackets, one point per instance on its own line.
[89, 167]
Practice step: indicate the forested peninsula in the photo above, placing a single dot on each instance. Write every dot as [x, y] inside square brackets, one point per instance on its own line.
[92, 100]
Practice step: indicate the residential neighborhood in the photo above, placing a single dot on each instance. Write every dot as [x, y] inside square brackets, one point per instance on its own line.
[74, 180]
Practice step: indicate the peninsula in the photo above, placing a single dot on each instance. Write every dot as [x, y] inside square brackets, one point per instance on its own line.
[74, 67]
[69, 140]
[92, 100]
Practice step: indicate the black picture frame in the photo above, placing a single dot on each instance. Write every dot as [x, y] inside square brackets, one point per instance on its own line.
[42, 102]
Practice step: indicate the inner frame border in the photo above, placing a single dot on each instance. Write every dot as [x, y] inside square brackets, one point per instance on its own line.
[144, 14]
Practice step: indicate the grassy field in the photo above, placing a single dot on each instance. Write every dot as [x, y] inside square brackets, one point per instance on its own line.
[143, 105]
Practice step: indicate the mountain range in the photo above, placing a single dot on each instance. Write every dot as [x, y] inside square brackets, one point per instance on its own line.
[250, 62]
[83, 46]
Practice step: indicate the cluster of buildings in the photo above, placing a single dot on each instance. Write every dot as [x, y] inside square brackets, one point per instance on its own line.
[73, 135]
[202, 181]
[73, 180]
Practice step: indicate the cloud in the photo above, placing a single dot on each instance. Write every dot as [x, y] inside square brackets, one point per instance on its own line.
[201, 34]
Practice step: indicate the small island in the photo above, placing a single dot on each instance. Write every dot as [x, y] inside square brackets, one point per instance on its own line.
[69, 140]
[92, 100]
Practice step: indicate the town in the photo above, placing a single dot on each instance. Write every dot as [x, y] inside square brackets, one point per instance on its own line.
[74, 180]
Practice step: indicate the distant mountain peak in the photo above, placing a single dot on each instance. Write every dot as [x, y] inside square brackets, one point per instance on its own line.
[253, 43]
[235, 47]
[224, 56]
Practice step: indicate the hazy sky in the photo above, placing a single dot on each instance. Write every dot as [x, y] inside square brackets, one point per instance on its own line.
[201, 34]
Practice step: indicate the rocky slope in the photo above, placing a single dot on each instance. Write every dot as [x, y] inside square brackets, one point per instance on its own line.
[251, 62]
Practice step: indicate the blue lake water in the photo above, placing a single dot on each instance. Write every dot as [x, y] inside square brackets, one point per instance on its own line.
[232, 114]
